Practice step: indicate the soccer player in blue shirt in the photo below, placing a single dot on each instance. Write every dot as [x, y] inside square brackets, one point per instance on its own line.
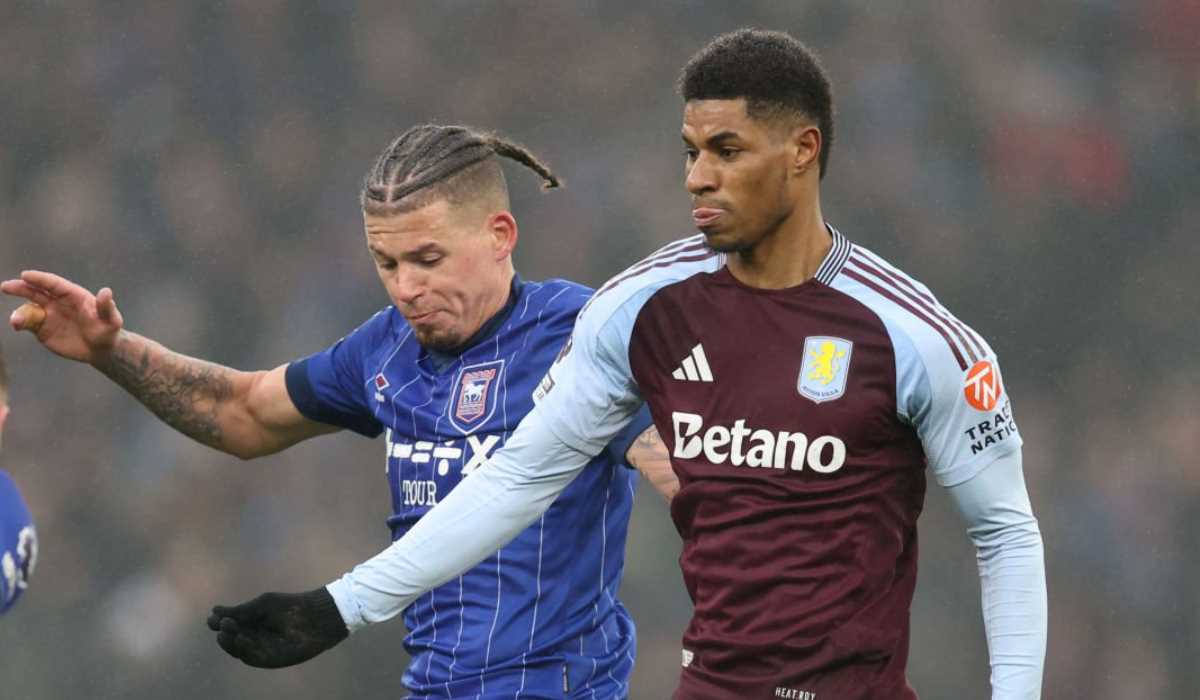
[18, 538]
[446, 372]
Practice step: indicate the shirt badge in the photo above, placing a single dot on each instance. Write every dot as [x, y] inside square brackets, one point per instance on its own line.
[475, 395]
[824, 368]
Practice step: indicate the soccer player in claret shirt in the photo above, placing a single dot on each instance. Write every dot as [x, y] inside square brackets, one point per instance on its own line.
[805, 388]
[446, 371]
[18, 537]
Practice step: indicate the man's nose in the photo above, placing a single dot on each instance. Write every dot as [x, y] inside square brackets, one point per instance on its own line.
[407, 287]
[701, 176]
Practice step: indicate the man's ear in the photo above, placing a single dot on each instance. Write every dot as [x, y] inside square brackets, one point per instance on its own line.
[502, 227]
[3, 416]
[806, 144]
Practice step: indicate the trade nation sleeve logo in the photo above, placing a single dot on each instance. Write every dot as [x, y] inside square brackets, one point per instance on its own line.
[982, 386]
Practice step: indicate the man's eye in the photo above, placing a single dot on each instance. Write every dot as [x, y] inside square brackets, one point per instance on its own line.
[729, 153]
[386, 264]
[690, 154]
[430, 262]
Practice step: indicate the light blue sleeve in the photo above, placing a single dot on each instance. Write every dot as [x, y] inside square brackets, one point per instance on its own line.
[589, 395]
[482, 514]
[584, 401]
[965, 423]
[1012, 574]
[959, 437]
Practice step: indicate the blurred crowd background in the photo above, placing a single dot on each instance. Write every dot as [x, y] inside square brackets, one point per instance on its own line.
[1035, 163]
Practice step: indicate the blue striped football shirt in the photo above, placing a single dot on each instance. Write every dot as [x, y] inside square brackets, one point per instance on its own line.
[18, 543]
[540, 618]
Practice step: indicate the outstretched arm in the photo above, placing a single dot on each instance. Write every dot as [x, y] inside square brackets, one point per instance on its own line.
[483, 513]
[585, 400]
[1012, 575]
[247, 414]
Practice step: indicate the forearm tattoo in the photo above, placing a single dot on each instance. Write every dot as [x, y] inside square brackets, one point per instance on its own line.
[184, 392]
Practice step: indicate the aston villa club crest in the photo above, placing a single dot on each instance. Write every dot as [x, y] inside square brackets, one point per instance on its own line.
[475, 395]
[824, 369]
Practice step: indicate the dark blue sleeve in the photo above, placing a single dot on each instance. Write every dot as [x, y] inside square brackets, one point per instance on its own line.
[331, 386]
[14, 517]
[624, 439]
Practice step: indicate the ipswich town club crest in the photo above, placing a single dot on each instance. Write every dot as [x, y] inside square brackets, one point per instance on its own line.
[824, 368]
[475, 395]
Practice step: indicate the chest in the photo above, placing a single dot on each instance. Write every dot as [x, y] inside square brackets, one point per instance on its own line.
[798, 381]
[443, 421]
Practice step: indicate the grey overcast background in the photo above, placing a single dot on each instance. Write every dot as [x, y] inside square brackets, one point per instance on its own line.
[1035, 163]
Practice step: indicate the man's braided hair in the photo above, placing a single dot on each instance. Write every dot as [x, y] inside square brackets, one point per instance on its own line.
[432, 161]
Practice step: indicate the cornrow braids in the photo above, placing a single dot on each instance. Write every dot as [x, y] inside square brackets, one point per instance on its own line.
[432, 155]
[518, 153]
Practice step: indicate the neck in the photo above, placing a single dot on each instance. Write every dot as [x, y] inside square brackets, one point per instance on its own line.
[503, 289]
[787, 256]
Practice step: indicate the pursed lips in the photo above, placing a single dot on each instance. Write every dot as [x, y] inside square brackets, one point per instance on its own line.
[706, 215]
[413, 318]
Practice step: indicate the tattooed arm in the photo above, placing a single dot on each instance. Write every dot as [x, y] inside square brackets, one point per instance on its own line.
[649, 455]
[247, 414]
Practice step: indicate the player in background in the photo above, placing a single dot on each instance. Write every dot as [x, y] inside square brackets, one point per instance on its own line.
[18, 538]
[804, 388]
[446, 371]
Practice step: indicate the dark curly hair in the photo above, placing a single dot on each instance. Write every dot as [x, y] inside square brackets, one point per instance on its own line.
[431, 161]
[778, 76]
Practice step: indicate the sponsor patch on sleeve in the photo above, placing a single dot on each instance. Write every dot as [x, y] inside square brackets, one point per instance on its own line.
[982, 387]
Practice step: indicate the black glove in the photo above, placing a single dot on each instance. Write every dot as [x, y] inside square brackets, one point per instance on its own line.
[279, 629]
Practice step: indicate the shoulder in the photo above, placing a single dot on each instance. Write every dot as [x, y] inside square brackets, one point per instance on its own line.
[14, 515]
[551, 298]
[380, 332]
[626, 292]
[599, 344]
[383, 334]
[917, 320]
[384, 323]
[8, 487]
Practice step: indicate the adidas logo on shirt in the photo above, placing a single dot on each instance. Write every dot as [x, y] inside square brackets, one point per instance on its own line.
[695, 367]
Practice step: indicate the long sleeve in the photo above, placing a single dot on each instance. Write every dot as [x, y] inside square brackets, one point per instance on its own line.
[1012, 575]
[585, 400]
[482, 514]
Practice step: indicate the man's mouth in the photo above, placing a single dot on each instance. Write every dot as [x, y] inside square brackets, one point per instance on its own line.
[706, 216]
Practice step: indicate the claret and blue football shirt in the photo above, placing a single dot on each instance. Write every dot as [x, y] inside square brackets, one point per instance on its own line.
[802, 424]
